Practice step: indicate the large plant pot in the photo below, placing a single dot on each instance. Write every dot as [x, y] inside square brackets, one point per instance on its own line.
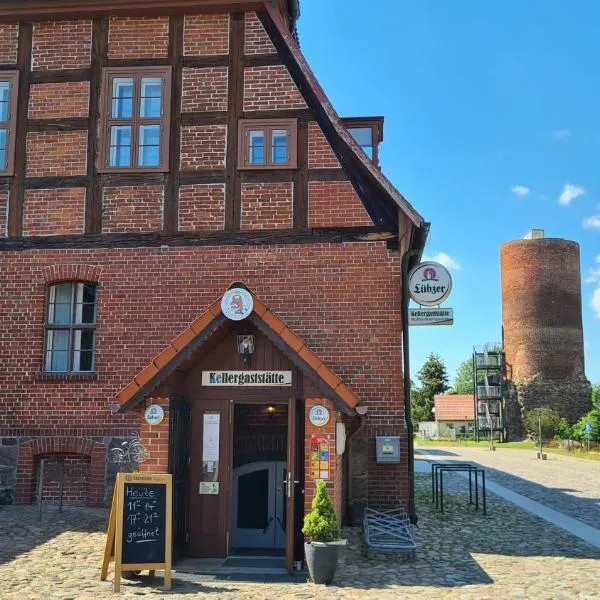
[321, 558]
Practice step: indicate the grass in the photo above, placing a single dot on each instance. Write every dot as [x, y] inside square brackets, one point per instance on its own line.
[528, 445]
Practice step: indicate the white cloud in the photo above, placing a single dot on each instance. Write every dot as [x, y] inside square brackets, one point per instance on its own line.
[520, 190]
[569, 193]
[444, 259]
[592, 222]
[595, 302]
[593, 275]
[561, 134]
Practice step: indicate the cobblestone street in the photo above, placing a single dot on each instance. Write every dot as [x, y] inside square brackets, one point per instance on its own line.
[509, 554]
[564, 483]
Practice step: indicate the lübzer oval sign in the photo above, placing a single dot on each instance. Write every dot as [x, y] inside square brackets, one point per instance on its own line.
[429, 284]
[318, 416]
[237, 304]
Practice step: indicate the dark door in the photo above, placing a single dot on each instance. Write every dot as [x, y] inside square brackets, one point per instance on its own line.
[291, 480]
[210, 474]
[179, 454]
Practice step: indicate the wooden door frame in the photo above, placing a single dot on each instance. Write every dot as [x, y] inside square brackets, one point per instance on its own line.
[291, 404]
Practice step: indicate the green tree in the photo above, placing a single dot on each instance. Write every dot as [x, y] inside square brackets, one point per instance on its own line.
[547, 418]
[434, 380]
[463, 382]
[596, 396]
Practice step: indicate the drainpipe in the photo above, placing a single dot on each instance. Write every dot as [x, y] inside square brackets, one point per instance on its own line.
[407, 409]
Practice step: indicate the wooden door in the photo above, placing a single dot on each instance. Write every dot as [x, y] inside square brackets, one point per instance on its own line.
[209, 513]
[290, 525]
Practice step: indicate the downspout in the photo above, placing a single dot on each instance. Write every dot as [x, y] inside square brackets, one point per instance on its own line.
[408, 255]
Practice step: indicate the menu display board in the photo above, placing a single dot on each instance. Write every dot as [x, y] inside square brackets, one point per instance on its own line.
[140, 527]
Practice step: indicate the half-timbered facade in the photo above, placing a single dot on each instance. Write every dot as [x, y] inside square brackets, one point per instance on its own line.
[154, 155]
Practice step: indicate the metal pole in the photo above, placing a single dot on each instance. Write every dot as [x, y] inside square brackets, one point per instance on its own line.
[540, 434]
[62, 485]
[40, 487]
[412, 513]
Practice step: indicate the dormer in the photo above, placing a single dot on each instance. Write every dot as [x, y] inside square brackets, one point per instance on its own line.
[368, 134]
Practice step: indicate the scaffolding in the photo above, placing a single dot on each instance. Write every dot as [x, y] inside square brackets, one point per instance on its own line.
[488, 392]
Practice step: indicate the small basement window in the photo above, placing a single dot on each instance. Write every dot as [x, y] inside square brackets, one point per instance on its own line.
[268, 144]
[135, 119]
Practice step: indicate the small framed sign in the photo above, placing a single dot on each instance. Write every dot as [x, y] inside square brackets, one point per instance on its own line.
[154, 414]
[318, 416]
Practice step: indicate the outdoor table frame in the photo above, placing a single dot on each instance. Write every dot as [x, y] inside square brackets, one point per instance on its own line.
[437, 483]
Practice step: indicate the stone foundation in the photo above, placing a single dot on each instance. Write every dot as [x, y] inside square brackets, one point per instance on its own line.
[571, 399]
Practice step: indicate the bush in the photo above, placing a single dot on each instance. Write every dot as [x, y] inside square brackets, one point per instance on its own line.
[550, 422]
[564, 431]
[593, 418]
[320, 524]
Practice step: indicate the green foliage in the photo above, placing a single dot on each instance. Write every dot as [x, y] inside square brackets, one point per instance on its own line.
[434, 380]
[550, 422]
[564, 431]
[596, 396]
[463, 382]
[578, 430]
[433, 376]
[320, 524]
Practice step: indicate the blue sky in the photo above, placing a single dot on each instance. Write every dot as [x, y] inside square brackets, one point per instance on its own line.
[491, 118]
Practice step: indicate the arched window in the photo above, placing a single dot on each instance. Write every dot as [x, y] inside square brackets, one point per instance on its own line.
[70, 328]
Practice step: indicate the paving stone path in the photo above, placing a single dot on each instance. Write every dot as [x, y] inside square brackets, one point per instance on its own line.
[509, 554]
[566, 484]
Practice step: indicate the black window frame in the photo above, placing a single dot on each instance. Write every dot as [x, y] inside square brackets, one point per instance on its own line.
[71, 327]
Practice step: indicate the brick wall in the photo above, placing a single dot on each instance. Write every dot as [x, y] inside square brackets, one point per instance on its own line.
[256, 41]
[59, 100]
[204, 89]
[56, 153]
[62, 45]
[9, 34]
[155, 439]
[267, 205]
[335, 204]
[3, 214]
[206, 35]
[134, 37]
[270, 88]
[54, 211]
[203, 147]
[320, 154]
[201, 207]
[132, 208]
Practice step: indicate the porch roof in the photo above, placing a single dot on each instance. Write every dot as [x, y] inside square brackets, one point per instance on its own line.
[194, 336]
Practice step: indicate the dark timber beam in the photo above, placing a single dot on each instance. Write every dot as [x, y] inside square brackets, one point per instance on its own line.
[15, 203]
[93, 192]
[265, 237]
[171, 202]
[235, 104]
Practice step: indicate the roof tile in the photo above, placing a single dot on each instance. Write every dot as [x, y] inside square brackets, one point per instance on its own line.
[127, 392]
[164, 357]
[290, 338]
[454, 407]
[259, 308]
[310, 358]
[275, 323]
[349, 397]
[145, 375]
[183, 339]
[328, 376]
[202, 322]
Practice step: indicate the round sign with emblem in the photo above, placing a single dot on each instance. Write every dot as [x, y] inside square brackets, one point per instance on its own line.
[237, 304]
[154, 414]
[318, 416]
[429, 284]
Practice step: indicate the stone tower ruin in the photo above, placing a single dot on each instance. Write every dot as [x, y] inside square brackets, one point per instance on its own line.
[542, 329]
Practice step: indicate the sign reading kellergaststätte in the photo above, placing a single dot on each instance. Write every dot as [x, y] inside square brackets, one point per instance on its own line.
[247, 378]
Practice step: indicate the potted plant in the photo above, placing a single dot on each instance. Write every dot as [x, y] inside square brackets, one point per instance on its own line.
[322, 534]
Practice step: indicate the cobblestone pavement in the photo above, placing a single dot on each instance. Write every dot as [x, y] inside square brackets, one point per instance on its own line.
[566, 484]
[509, 554]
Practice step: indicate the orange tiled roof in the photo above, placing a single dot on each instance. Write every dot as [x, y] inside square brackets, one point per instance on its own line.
[142, 384]
[454, 407]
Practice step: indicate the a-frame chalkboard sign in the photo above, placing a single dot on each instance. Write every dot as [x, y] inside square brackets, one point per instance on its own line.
[139, 527]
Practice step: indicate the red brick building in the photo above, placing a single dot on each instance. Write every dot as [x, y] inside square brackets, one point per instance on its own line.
[152, 156]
